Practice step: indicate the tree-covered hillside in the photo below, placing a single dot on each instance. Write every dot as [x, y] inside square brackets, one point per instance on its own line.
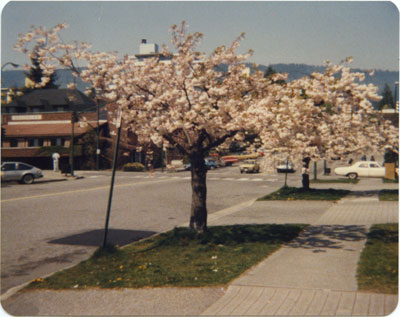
[16, 78]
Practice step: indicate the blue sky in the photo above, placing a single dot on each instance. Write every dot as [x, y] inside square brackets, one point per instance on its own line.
[278, 32]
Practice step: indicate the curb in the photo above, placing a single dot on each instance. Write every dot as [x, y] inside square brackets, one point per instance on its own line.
[13, 290]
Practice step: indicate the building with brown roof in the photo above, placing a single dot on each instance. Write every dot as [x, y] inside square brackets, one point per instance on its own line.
[41, 121]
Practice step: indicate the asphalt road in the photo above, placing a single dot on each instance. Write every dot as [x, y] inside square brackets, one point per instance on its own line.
[49, 226]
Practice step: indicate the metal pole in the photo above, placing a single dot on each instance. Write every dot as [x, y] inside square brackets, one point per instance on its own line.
[71, 156]
[112, 179]
[287, 166]
[98, 136]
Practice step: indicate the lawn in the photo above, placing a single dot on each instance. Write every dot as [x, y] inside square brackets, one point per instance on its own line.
[335, 181]
[377, 268]
[389, 195]
[390, 181]
[294, 193]
[180, 257]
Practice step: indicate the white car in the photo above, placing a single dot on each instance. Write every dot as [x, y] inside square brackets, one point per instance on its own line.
[285, 167]
[363, 169]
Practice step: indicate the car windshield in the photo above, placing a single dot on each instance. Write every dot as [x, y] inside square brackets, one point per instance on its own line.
[249, 162]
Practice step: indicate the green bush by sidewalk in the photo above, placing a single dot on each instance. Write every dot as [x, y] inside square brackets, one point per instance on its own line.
[134, 167]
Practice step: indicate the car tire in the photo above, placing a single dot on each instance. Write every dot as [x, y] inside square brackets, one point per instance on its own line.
[352, 175]
[27, 179]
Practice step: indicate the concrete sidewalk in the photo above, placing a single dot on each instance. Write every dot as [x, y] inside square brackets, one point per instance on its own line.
[51, 176]
[313, 275]
[316, 273]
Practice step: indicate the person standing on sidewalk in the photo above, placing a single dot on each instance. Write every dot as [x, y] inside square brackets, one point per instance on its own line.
[56, 159]
[150, 162]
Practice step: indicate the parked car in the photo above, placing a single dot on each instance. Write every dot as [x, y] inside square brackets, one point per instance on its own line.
[21, 172]
[176, 166]
[210, 164]
[362, 168]
[249, 166]
[216, 157]
[285, 167]
[229, 160]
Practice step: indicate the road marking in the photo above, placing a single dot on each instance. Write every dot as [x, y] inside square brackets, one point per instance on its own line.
[83, 190]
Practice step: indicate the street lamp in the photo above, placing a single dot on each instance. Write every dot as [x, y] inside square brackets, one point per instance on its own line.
[98, 152]
[9, 63]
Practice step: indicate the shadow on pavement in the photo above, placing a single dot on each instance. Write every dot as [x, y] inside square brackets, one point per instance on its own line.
[95, 237]
[329, 236]
[45, 181]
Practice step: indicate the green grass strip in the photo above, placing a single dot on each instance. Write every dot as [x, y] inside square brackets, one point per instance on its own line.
[389, 195]
[390, 181]
[377, 268]
[294, 193]
[181, 257]
[335, 181]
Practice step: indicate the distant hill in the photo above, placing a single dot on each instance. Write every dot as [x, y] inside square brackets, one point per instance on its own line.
[295, 71]
[16, 78]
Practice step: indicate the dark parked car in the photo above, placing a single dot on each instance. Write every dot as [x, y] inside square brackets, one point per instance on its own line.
[210, 164]
[21, 172]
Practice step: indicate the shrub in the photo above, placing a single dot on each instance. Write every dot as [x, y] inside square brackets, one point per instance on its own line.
[133, 167]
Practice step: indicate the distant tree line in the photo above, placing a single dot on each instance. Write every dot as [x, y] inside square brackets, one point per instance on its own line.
[388, 101]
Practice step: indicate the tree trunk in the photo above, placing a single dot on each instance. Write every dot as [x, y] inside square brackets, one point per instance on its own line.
[198, 215]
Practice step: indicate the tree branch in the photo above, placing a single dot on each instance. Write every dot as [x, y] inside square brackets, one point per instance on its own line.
[221, 140]
[171, 140]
